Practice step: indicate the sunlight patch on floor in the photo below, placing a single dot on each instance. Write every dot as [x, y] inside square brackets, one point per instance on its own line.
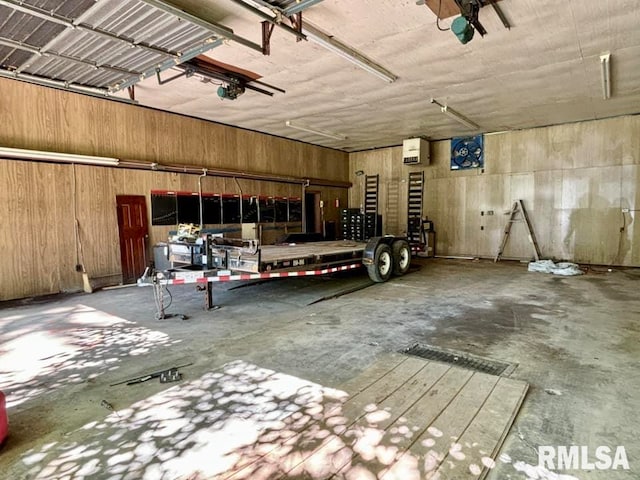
[195, 427]
[63, 346]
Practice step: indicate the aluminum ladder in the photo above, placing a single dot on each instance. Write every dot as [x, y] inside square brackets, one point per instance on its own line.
[371, 185]
[518, 214]
[415, 230]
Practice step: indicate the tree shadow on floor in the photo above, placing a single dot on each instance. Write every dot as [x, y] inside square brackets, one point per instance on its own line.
[246, 422]
[50, 348]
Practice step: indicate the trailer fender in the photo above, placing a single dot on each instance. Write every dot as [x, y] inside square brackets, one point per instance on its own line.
[369, 254]
[379, 258]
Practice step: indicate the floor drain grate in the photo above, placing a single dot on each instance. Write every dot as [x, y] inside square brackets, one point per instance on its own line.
[460, 359]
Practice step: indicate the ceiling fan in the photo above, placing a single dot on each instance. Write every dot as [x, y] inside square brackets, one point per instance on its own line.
[465, 26]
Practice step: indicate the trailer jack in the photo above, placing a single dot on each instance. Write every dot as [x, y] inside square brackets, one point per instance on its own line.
[208, 296]
[158, 294]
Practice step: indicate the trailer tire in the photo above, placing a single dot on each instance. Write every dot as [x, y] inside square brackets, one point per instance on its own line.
[401, 257]
[382, 267]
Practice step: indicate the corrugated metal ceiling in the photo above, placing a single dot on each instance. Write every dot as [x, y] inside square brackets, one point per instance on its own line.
[545, 70]
[117, 40]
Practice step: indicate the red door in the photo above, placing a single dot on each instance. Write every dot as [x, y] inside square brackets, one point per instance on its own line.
[134, 231]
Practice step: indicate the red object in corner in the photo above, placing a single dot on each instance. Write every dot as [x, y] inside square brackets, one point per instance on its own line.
[4, 423]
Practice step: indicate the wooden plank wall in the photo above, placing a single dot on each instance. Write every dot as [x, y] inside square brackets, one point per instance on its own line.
[575, 180]
[40, 118]
[37, 199]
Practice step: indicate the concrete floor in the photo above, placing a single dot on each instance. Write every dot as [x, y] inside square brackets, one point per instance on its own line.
[575, 339]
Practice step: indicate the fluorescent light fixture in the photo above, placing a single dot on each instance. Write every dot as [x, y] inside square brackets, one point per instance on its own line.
[20, 154]
[326, 41]
[605, 67]
[322, 133]
[458, 117]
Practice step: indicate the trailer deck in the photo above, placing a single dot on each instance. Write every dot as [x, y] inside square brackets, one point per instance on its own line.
[279, 253]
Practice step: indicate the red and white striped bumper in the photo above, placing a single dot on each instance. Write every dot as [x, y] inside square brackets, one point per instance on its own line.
[193, 277]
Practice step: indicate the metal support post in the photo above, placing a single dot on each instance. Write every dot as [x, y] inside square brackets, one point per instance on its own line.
[207, 288]
[267, 31]
[208, 297]
[296, 22]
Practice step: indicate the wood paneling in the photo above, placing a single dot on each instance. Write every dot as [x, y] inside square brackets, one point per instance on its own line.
[47, 119]
[574, 180]
[31, 255]
[37, 199]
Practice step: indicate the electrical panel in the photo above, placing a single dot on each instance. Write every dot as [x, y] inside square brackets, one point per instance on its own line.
[415, 151]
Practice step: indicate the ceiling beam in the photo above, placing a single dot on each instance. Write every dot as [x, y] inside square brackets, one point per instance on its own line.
[273, 20]
[71, 87]
[330, 43]
[300, 6]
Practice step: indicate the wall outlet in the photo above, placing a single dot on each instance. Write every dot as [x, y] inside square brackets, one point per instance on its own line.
[490, 212]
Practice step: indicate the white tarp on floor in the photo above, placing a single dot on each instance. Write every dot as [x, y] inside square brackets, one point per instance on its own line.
[561, 268]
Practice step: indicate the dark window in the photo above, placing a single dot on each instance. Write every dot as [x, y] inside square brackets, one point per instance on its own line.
[249, 210]
[172, 209]
[282, 214]
[231, 209]
[211, 210]
[164, 209]
[267, 210]
[188, 209]
[295, 210]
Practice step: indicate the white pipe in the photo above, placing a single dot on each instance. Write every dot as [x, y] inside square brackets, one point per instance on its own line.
[21, 154]
[59, 84]
[36, 155]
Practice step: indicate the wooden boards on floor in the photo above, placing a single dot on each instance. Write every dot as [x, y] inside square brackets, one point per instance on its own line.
[405, 419]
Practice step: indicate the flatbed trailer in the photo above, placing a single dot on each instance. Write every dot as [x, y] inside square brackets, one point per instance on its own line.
[225, 260]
